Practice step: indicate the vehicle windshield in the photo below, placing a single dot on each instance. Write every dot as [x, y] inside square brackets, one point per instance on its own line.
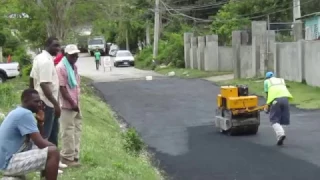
[95, 41]
[123, 53]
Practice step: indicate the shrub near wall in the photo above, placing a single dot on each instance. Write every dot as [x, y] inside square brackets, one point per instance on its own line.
[171, 52]
[144, 58]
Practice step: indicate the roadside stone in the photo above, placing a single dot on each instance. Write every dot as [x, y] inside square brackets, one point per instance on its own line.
[172, 73]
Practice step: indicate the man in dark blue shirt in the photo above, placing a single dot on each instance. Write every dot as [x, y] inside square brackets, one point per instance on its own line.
[18, 129]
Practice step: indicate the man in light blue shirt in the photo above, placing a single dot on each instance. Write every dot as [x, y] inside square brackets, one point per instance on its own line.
[18, 129]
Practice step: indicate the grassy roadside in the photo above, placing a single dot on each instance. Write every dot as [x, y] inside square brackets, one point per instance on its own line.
[305, 97]
[104, 155]
[189, 73]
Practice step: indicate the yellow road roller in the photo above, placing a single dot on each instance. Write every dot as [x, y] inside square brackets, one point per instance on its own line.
[237, 112]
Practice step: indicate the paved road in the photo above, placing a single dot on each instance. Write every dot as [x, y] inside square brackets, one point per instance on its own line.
[86, 65]
[175, 118]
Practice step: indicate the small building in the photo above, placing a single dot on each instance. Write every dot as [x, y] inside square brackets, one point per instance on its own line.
[312, 25]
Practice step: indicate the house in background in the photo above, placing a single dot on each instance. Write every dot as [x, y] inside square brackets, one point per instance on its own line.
[312, 25]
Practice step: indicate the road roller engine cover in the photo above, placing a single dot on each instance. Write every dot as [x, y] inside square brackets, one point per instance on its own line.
[237, 111]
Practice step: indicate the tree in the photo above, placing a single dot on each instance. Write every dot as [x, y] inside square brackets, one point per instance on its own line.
[125, 23]
[226, 21]
[237, 15]
[57, 18]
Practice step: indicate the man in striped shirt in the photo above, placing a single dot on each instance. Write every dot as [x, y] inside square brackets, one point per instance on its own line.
[70, 120]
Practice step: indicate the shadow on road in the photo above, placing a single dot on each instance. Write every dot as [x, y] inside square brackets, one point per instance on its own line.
[213, 156]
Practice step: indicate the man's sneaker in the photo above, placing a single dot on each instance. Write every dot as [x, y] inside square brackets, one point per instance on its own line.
[280, 141]
[70, 163]
[62, 166]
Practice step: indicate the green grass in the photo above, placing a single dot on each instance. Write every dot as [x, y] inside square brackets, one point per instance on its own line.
[305, 97]
[189, 73]
[103, 153]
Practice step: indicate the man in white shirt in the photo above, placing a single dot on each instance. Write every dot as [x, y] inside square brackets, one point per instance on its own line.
[44, 79]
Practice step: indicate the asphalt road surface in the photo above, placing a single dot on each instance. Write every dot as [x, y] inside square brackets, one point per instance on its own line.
[175, 118]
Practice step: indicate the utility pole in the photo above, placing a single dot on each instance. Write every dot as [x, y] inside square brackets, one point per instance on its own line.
[156, 29]
[127, 40]
[268, 30]
[297, 24]
[296, 10]
[124, 23]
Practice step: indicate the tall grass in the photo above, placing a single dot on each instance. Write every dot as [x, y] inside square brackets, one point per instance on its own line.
[9, 98]
[107, 152]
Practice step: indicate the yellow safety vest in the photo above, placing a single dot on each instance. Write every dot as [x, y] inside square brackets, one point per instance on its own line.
[277, 88]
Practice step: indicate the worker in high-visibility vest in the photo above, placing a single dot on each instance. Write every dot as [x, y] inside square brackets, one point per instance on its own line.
[278, 97]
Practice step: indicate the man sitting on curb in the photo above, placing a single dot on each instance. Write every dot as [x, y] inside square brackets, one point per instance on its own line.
[18, 129]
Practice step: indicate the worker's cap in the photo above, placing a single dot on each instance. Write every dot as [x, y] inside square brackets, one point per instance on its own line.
[269, 74]
[71, 49]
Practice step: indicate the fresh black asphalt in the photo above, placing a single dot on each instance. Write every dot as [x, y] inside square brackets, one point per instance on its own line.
[175, 118]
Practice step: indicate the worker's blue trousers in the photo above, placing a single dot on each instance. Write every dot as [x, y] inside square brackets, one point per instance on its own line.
[279, 111]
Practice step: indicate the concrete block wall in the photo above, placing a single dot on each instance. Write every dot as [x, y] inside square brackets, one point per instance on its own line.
[203, 53]
[295, 61]
[193, 53]
[187, 46]
[298, 61]
[200, 52]
[211, 53]
[246, 62]
[225, 58]
[311, 62]
[288, 61]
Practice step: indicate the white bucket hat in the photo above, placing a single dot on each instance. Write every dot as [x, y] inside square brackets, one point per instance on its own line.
[71, 49]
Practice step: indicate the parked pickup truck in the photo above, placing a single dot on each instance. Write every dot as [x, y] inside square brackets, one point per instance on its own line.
[9, 70]
[97, 43]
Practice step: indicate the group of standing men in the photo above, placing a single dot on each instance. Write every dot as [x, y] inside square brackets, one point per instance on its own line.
[26, 145]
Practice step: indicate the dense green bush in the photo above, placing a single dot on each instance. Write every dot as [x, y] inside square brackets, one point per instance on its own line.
[2, 39]
[143, 59]
[26, 70]
[8, 95]
[16, 49]
[133, 142]
[171, 52]
[20, 55]
[11, 45]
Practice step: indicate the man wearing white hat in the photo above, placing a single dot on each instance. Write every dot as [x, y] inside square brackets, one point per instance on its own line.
[70, 120]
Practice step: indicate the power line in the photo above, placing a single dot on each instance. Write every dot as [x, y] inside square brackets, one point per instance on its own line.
[207, 20]
[202, 7]
[225, 2]
[179, 13]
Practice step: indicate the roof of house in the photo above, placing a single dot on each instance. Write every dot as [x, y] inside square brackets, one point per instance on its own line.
[309, 15]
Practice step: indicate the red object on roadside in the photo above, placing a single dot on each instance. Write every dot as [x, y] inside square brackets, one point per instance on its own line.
[58, 58]
[9, 59]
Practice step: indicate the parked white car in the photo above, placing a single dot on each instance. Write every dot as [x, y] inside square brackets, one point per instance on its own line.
[9, 70]
[123, 57]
